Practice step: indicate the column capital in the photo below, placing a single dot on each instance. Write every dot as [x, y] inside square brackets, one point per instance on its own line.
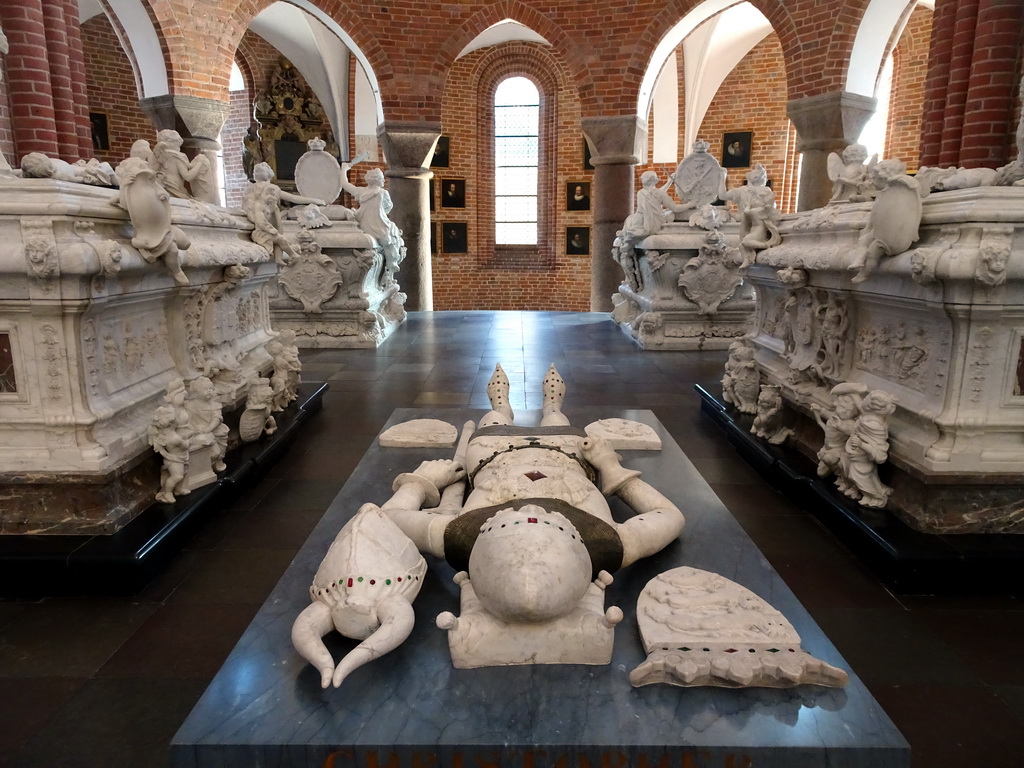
[616, 140]
[201, 118]
[830, 120]
[408, 146]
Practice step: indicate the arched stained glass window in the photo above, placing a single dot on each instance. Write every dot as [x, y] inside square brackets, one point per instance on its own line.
[516, 156]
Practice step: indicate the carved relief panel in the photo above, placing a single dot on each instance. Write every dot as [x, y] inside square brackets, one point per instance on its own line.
[911, 352]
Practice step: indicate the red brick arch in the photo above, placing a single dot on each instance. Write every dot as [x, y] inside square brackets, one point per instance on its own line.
[566, 49]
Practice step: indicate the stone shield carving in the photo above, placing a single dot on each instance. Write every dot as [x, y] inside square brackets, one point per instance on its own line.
[311, 279]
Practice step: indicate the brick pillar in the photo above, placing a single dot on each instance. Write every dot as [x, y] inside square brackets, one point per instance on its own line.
[934, 107]
[78, 84]
[825, 124]
[972, 78]
[408, 148]
[955, 99]
[58, 58]
[989, 122]
[28, 79]
[615, 150]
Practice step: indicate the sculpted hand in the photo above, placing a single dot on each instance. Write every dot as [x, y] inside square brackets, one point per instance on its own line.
[441, 472]
[599, 453]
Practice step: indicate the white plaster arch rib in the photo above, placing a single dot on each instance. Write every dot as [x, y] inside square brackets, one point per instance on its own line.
[877, 27]
[710, 53]
[502, 32]
[715, 36]
[139, 39]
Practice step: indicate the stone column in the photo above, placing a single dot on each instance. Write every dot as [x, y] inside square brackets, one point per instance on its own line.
[825, 124]
[199, 121]
[615, 144]
[28, 79]
[408, 148]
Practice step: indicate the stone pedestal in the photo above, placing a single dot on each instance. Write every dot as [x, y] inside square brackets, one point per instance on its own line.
[90, 335]
[940, 327]
[337, 291]
[655, 310]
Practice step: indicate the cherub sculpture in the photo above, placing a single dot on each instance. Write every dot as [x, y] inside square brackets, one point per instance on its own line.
[534, 543]
[149, 208]
[262, 205]
[866, 448]
[758, 215]
[257, 418]
[206, 419]
[894, 220]
[172, 166]
[654, 208]
[768, 423]
[172, 442]
[837, 426]
[849, 174]
[372, 214]
[36, 165]
[742, 381]
[285, 379]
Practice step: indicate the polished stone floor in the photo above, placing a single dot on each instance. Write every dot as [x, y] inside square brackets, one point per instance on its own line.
[97, 682]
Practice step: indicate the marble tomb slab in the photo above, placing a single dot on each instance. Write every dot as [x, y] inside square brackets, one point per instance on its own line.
[265, 706]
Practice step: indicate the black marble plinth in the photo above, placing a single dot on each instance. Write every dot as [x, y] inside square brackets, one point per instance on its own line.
[122, 563]
[907, 560]
[412, 708]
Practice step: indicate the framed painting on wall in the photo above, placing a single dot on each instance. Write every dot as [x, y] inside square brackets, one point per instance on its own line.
[431, 187]
[577, 196]
[577, 240]
[736, 149]
[453, 193]
[433, 238]
[456, 237]
[100, 123]
[441, 152]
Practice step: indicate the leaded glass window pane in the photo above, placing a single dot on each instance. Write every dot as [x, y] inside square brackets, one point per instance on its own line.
[516, 155]
[515, 209]
[520, 233]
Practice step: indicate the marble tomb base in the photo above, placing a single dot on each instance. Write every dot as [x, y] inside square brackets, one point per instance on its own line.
[412, 708]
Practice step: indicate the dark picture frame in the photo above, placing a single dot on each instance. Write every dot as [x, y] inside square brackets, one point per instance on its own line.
[432, 191]
[455, 237]
[442, 153]
[453, 193]
[577, 196]
[100, 122]
[433, 238]
[736, 149]
[588, 164]
[577, 241]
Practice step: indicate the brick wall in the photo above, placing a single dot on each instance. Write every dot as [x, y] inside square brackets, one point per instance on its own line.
[511, 278]
[231, 136]
[906, 101]
[110, 84]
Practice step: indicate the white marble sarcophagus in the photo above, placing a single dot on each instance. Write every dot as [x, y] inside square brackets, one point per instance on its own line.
[674, 298]
[91, 332]
[338, 291]
[939, 326]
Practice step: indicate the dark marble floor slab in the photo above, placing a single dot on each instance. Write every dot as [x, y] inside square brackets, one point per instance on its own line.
[265, 707]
